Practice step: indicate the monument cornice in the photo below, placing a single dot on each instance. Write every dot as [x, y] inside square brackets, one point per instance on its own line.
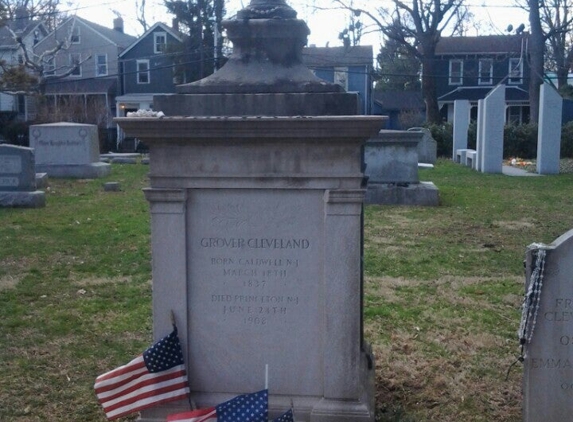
[161, 130]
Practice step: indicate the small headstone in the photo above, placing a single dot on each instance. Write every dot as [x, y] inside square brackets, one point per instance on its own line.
[111, 187]
[68, 150]
[549, 136]
[123, 160]
[42, 180]
[547, 332]
[145, 160]
[427, 147]
[493, 123]
[461, 126]
[18, 178]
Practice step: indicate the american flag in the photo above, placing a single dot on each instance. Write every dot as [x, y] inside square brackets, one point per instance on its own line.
[246, 408]
[288, 416]
[154, 377]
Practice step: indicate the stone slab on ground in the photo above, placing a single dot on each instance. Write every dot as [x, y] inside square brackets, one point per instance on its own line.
[420, 194]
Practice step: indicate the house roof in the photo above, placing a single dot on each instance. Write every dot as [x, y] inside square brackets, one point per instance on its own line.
[337, 56]
[81, 86]
[399, 100]
[6, 38]
[473, 94]
[159, 25]
[119, 38]
[492, 44]
[114, 36]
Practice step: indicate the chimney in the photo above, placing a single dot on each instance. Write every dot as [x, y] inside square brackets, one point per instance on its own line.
[118, 24]
[175, 24]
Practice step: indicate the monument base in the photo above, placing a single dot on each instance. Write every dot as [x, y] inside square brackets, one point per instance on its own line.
[420, 194]
[83, 171]
[36, 199]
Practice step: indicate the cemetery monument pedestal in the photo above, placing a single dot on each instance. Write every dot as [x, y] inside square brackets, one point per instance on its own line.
[256, 227]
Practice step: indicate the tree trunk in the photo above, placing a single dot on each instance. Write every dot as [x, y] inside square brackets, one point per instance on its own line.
[429, 91]
[536, 51]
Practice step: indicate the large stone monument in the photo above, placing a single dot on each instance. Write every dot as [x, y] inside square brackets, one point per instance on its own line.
[67, 150]
[546, 332]
[392, 169]
[490, 151]
[256, 227]
[18, 178]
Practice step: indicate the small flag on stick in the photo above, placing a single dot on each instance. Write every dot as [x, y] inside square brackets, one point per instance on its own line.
[157, 376]
[245, 408]
[288, 416]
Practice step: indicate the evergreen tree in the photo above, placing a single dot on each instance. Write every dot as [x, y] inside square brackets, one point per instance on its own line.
[200, 21]
[397, 69]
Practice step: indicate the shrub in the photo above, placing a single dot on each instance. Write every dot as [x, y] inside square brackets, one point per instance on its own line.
[567, 140]
[520, 141]
[443, 135]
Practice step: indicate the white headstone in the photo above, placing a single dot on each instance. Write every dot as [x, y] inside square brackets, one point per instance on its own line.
[67, 150]
[493, 122]
[549, 135]
[479, 136]
[461, 125]
[548, 364]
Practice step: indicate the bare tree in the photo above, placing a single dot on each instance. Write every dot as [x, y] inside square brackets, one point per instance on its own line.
[418, 26]
[557, 23]
[23, 10]
[36, 70]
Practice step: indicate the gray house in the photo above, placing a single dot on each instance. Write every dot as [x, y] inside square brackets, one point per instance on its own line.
[31, 32]
[88, 64]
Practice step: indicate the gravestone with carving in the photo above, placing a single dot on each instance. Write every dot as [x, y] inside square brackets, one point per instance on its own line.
[256, 200]
[546, 332]
[18, 178]
[68, 150]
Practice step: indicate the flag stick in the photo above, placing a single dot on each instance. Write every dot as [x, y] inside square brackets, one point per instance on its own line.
[266, 376]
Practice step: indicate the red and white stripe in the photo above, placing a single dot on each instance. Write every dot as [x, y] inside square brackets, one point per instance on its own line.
[202, 415]
[132, 387]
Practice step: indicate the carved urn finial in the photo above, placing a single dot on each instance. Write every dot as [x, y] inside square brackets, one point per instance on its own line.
[267, 9]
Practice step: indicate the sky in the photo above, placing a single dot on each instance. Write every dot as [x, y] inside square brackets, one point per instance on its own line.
[492, 16]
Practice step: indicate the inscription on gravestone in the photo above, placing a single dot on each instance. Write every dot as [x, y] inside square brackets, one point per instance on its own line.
[251, 259]
[548, 365]
[10, 165]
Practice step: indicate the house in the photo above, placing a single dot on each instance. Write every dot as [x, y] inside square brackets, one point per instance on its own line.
[469, 68]
[148, 67]
[31, 32]
[86, 70]
[350, 67]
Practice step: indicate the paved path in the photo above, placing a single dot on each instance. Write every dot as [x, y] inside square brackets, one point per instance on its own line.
[514, 171]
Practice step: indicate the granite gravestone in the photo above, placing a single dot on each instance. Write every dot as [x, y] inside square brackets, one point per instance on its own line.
[547, 332]
[256, 227]
[549, 137]
[491, 149]
[68, 150]
[18, 178]
[427, 147]
[461, 126]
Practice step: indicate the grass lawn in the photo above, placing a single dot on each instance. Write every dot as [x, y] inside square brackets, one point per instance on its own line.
[442, 295]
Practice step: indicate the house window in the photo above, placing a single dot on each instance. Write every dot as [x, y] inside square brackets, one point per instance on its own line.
[101, 65]
[515, 71]
[159, 42]
[485, 72]
[143, 71]
[75, 37]
[341, 77]
[456, 72]
[75, 65]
